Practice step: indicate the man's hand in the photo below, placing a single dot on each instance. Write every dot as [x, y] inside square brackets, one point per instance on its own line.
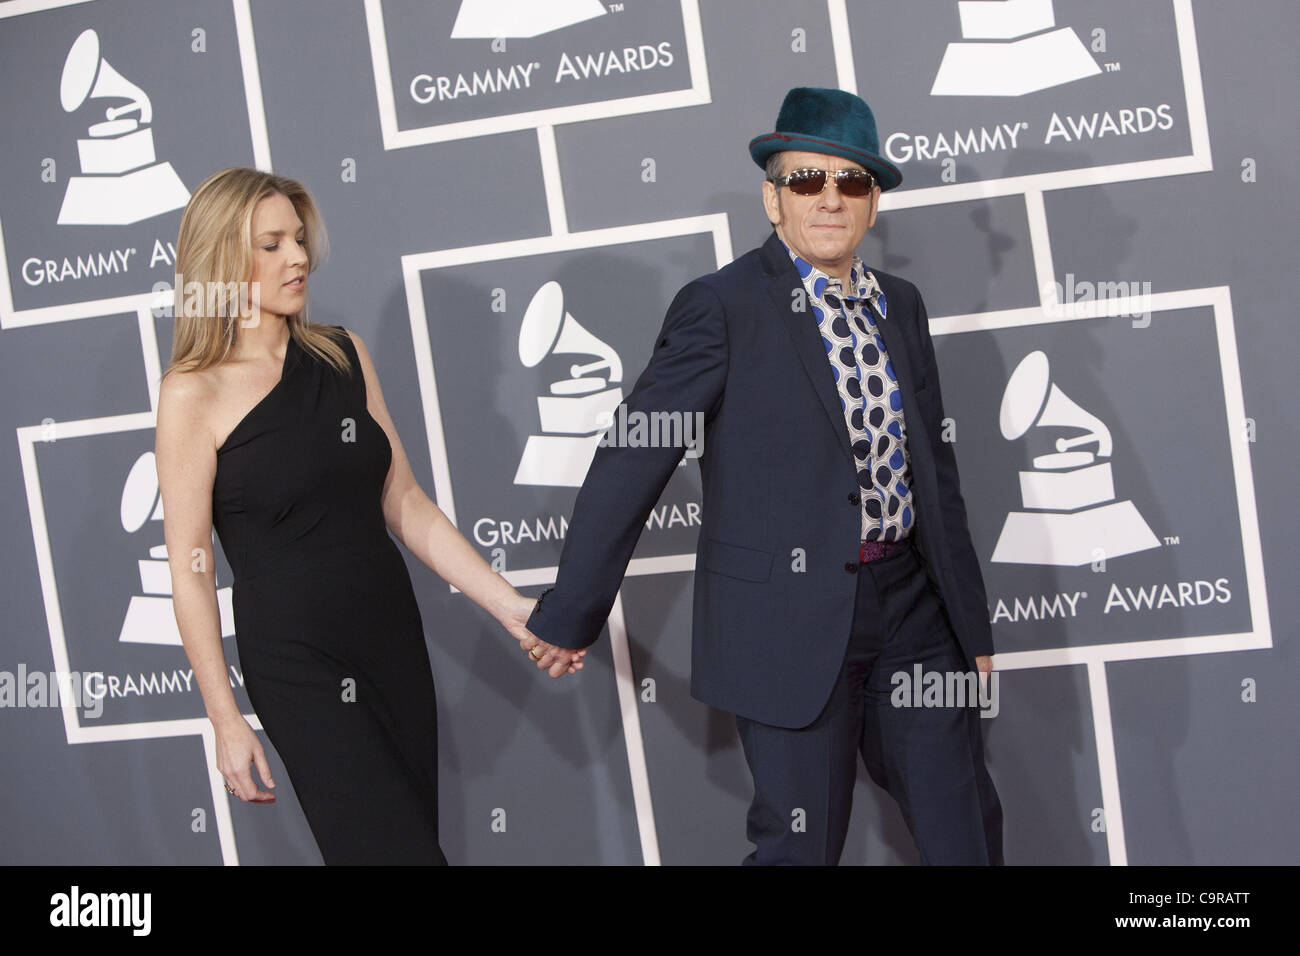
[984, 664]
[555, 660]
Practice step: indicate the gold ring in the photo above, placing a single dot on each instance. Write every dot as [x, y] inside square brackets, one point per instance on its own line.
[532, 655]
[229, 789]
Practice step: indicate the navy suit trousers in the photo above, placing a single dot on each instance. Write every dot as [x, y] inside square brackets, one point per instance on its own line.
[929, 759]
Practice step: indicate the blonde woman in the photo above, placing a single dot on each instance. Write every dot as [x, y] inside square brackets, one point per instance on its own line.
[273, 429]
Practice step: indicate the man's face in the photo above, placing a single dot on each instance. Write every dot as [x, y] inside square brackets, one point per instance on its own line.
[824, 229]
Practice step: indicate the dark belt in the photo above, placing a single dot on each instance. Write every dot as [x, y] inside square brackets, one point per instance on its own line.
[875, 550]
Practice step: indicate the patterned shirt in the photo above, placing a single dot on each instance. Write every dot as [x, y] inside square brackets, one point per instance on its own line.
[874, 414]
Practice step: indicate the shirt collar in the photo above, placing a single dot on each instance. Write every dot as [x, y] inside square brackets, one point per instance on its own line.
[861, 279]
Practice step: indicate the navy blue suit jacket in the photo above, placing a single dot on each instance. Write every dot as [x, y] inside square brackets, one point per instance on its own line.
[777, 559]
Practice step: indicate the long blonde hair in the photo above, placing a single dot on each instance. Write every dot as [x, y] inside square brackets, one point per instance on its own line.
[215, 249]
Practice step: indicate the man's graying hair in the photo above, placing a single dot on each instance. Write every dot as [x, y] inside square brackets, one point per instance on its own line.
[773, 168]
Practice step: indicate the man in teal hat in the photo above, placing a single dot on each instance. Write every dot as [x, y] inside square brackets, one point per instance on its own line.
[833, 552]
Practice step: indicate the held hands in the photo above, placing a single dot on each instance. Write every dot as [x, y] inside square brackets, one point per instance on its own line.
[237, 748]
[555, 660]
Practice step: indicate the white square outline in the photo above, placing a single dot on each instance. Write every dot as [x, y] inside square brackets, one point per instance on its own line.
[1199, 161]
[91, 308]
[394, 138]
[414, 264]
[199, 727]
[1219, 299]
[29, 436]
[1095, 657]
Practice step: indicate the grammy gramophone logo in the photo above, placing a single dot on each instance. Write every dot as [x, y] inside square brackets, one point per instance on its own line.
[150, 618]
[1010, 48]
[578, 408]
[121, 182]
[1071, 516]
[490, 19]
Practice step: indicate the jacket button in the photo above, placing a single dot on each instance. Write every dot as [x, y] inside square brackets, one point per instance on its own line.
[855, 498]
[851, 567]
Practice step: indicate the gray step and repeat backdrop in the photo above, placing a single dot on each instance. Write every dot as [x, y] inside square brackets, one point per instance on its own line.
[1099, 205]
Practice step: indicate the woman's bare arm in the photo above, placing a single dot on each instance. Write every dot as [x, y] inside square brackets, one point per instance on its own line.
[187, 463]
[428, 534]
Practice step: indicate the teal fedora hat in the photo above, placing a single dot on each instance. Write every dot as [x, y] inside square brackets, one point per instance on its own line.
[817, 120]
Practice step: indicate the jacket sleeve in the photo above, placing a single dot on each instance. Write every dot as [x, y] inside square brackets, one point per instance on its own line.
[972, 611]
[686, 374]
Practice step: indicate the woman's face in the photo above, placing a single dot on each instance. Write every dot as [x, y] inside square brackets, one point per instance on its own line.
[279, 258]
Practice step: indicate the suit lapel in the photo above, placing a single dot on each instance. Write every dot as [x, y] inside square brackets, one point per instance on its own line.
[782, 279]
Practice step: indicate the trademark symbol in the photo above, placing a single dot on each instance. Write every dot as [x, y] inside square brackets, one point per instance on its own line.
[1171, 539]
[1112, 67]
[616, 8]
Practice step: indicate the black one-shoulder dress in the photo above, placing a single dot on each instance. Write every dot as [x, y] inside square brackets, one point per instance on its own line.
[328, 630]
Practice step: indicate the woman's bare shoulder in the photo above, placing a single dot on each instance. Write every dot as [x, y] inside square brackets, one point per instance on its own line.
[187, 397]
[188, 387]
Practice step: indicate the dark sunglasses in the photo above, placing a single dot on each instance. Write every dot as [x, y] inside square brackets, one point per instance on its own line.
[810, 182]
